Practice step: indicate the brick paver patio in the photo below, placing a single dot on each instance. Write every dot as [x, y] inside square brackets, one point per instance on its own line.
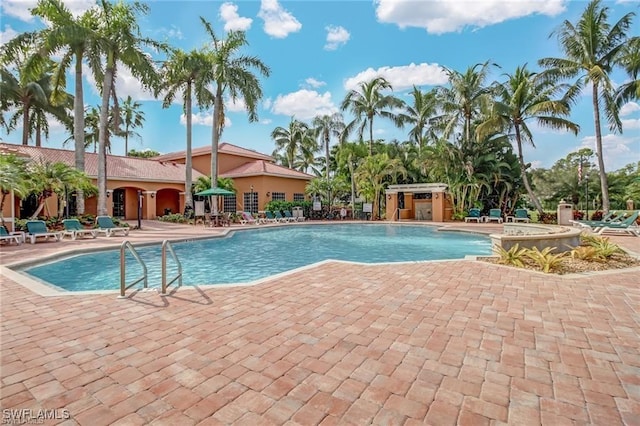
[458, 342]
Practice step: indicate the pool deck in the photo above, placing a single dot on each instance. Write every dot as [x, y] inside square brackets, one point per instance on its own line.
[452, 342]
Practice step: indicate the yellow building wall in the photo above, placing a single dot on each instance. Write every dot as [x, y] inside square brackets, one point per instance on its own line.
[226, 162]
[267, 184]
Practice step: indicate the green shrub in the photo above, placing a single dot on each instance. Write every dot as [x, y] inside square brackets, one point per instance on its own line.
[513, 257]
[587, 253]
[546, 259]
[604, 247]
[173, 218]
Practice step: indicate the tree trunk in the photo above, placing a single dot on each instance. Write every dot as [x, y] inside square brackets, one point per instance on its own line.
[78, 129]
[217, 104]
[523, 173]
[326, 147]
[604, 185]
[188, 196]
[38, 135]
[370, 136]
[25, 124]
[103, 136]
[353, 188]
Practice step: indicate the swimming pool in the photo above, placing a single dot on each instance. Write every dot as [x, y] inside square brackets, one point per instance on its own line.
[261, 252]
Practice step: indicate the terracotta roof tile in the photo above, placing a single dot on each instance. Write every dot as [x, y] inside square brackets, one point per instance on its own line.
[261, 167]
[118, 167]
[225, 148]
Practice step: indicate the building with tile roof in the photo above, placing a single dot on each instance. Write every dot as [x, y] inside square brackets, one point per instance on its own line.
[159, 182]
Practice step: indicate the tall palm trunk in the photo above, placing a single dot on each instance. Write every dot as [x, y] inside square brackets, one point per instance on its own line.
[326, 147]
[38, 135]
[523, 173]
[126, 140]
[215, 139]
[188, 197]
[604, 185]
[103, 136]
[78, 129]
[370, 135]
[25, 124]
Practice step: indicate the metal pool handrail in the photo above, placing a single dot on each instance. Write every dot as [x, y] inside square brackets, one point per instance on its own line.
[166, 245]
[123, 285]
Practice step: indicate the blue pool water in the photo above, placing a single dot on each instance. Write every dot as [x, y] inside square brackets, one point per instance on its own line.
[250, 255]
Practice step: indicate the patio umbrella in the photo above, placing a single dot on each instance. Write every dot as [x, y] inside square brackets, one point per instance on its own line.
[214, 192]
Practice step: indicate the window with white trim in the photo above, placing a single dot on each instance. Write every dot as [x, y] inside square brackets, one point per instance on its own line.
[298, 196]
[278, 196]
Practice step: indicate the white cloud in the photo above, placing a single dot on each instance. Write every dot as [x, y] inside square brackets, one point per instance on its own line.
[278, 22]
[536, 164]
[8, 34]
[618, 150]
[266, 121]
[266, 104]
[442, 16]
[20, 9]
[313, 83]
[304, 104]
[631, 123]
[233, 21]
[629, 108]
[235, 106]
[203, 118]
[402, 77]
[336, 37]
[171, 33]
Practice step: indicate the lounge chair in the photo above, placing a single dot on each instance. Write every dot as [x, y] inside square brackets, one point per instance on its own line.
[521, 215]
[289, 216]
[628, 226]
[269, 217]
[279, 217]
[474, 214]
[9, 237]
[74, 229]
[494, 215]
[590, 224]
[108, 228]
[248, 218]
[38, 229]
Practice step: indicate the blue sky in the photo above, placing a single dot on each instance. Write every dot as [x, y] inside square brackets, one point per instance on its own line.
[318, 50]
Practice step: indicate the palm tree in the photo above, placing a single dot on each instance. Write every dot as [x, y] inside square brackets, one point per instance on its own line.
[92, 130]
[526, 96]
[327, 126]
[367, 102]
[188, 74]
[419, 114]
[462, 102]
[232, 75]
[46, 179]
[592, 48]
[132, 118]
[630, 60]
[12, 178]
[349, 156]
[373, 173]
[297, 142]
[29, 94]
[118, 42]
[70, 36]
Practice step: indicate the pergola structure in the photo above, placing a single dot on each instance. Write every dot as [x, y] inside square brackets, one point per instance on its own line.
[420, 201]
